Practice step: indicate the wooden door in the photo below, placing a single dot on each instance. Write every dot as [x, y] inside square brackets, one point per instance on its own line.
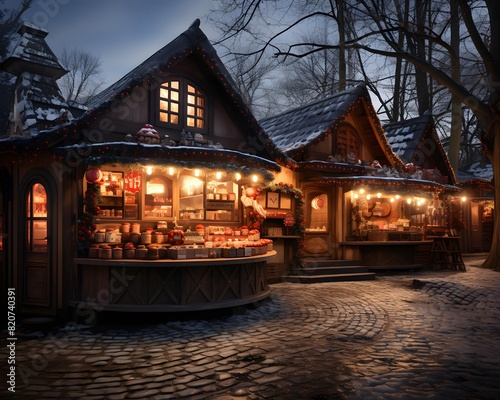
[36, 273]
[318, 225]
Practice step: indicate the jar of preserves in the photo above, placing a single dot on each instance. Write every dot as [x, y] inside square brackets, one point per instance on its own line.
[106, 252]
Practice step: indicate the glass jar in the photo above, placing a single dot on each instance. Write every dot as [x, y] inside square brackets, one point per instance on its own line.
[146, 237]
[136, 228]
[125, 227]
[117, 253]
[141, 252]
[153, 253]
[106, 252]
[94, 251]
[99, 237]
[158, 237]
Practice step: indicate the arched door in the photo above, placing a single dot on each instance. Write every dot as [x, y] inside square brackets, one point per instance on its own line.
[37, 274]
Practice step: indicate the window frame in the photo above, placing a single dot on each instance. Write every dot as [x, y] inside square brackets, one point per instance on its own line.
[183, 105]
[351, 133]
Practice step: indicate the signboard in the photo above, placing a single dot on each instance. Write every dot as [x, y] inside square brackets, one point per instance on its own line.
[289, 220]
[133, 181]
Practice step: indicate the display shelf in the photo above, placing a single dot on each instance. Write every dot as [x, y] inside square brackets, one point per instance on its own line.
[282, 237]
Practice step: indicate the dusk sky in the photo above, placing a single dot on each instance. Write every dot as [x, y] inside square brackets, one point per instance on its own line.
[123, 33]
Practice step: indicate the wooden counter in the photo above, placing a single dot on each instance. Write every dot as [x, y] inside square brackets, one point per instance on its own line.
[402, 254]
[165, 285]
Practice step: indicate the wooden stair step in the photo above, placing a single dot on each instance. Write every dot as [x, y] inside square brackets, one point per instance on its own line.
[330, 270]
[331, 277]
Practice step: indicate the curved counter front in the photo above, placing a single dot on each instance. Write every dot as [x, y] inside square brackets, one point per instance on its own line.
[170, 285]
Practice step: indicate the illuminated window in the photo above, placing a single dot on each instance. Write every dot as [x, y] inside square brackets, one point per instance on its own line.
[182, 104]
[36, 219]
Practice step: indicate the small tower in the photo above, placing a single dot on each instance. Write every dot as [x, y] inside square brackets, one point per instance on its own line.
[36, 103]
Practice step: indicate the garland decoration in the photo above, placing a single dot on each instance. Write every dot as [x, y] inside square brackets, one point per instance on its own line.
[299, 227]
[87, 225]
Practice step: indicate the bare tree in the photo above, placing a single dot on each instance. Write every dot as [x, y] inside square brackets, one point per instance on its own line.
[380, 35]
[9, 21]
[83, 79]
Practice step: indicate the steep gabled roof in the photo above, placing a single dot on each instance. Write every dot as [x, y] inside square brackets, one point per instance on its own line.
[296, 130]
[300, 127]
[416, 141]
[478, 171]
[192, 42]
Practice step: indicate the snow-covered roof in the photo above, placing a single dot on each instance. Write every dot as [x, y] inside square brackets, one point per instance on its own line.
[193, 42]
[30, 52]
[300, 127]
[478, 170]
[416, 141]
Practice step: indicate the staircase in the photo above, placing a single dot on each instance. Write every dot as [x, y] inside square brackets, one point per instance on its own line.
[316, 271]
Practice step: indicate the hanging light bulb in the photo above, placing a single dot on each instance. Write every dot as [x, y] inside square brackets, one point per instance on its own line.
[255, 178]
[171, 171]
[197, 172]
[218, 175]
[238, 176]
[149, 170]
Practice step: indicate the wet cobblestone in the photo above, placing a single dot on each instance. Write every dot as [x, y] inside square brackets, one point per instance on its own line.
[426, 334]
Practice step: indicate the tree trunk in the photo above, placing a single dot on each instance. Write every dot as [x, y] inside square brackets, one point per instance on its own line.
[342, 50]
[456, 103]
[420, 75]
[493, 259]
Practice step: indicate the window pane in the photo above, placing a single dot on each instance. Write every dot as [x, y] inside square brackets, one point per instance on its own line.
[36, 226]
[39, 201]
[164, 93]
[191, 89]
[174, 84]
[191, 99]
[200, 112]
[190, 122]
[174, 119]
[163, 105]
[200, 102]
[174, 96]
[174, 107]
[163, 117]
[190, 110]
[39, 236]
[200, 123]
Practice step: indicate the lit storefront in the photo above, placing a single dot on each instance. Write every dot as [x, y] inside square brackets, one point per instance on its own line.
[148, 200]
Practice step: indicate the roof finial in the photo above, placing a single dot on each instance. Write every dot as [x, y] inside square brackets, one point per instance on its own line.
[195, 24]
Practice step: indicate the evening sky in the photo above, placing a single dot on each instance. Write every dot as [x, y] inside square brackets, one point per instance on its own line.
[123, 33]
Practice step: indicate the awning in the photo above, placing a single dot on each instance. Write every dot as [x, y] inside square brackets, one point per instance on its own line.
[388, 183]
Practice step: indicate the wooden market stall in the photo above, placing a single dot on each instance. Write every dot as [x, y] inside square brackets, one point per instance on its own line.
[146, 201]
[364, 200]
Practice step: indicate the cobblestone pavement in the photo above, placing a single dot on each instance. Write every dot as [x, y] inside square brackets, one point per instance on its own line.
[408, 335]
